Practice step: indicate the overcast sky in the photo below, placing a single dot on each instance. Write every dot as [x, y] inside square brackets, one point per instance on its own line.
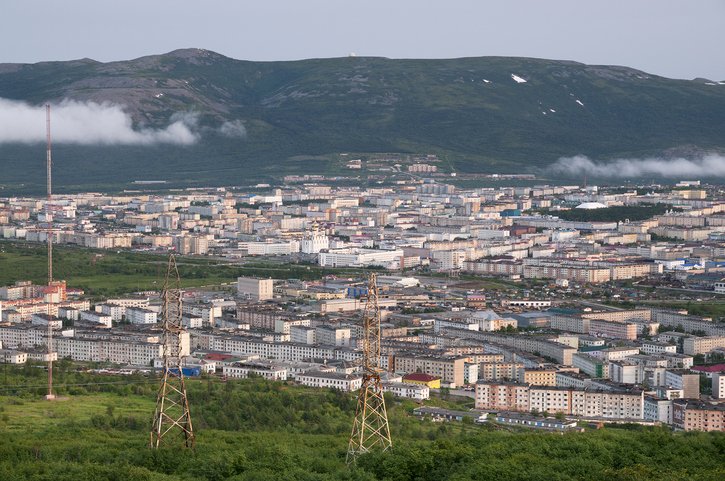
[672, 38]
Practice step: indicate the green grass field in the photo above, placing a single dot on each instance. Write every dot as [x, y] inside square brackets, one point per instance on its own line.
[39, 414]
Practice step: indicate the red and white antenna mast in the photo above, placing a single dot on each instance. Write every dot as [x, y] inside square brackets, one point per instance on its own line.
[49, 206]
[49, 219]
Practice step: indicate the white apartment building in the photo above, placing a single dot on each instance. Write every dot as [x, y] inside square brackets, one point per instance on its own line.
[406, 390]
[343, 382]
[69, 313]
[654, 347]
[242, 370]
[96, 318]
[332, 336]
[702, 345]
[302, 335]
[45, 320]
[718, 385]
[285, 325]
[450, 260]
[626, 372]
[116, 312]
[550, 398]
[658, 409]
[8, 356]
[207, 312]
[255, 288]
[356, 257]
[124, 302]
[137, 315]
[191, 322]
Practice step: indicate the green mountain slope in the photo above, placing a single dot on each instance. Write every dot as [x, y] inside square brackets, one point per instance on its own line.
[476, 113]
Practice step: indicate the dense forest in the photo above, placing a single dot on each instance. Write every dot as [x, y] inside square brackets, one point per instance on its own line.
[259, 430]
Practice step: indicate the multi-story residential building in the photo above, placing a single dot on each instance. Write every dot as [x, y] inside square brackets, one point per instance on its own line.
[332, 336]
[685, 380]
[671, 318]
[654, 347]
[658, 409]
[693, 415]
[617, 330]
[302, 335]
[591, 365]
[96, 318]
[255, 288]
[626, 372]
[718, 385]
[702, 345]
[617, 353]
[137, 315]
[552, 399]
[285, 325]
[544, 347]
[343, 382]
[8, 356]
[498, 395]
[499, 371]
[116, 312]
[124, 302]
[242, 370]
[46, 320]
[417, 392]
[577, 401]
[448, 368]
[541, 376]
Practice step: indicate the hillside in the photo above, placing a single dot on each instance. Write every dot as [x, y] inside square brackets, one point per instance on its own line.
[488, 114]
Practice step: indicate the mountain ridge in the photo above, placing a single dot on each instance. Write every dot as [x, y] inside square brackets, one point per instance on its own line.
[479, 113]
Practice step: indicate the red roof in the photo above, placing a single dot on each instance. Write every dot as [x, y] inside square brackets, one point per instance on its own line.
[420, 377]
[715, 368]
[218, 357]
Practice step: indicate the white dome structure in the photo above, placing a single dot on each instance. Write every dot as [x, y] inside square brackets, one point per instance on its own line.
[591, 205]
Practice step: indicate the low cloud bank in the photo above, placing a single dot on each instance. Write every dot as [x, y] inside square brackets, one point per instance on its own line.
[90, 123]
[709, 166]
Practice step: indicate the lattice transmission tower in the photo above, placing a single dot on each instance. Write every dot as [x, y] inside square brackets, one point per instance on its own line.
[172, 420]
[370, 429]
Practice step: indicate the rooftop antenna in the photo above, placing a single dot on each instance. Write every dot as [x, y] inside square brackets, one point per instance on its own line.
[172, 419]
[49, 219]
[370, 427]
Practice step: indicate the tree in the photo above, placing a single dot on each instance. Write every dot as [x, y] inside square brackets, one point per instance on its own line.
[534, 412]
[560, 415]
[545, 414]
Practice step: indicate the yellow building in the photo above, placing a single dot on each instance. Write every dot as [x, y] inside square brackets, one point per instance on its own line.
[425, 379]
[538, 376]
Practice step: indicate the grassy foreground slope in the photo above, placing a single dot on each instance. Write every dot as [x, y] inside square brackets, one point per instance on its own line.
[477, 114]
[259, 430]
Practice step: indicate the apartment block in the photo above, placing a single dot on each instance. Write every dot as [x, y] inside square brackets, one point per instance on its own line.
[255, 288]
[698, 416]
[507, 396]
[499, 371]
[702, 345]
[538, 376]
[449, 369]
